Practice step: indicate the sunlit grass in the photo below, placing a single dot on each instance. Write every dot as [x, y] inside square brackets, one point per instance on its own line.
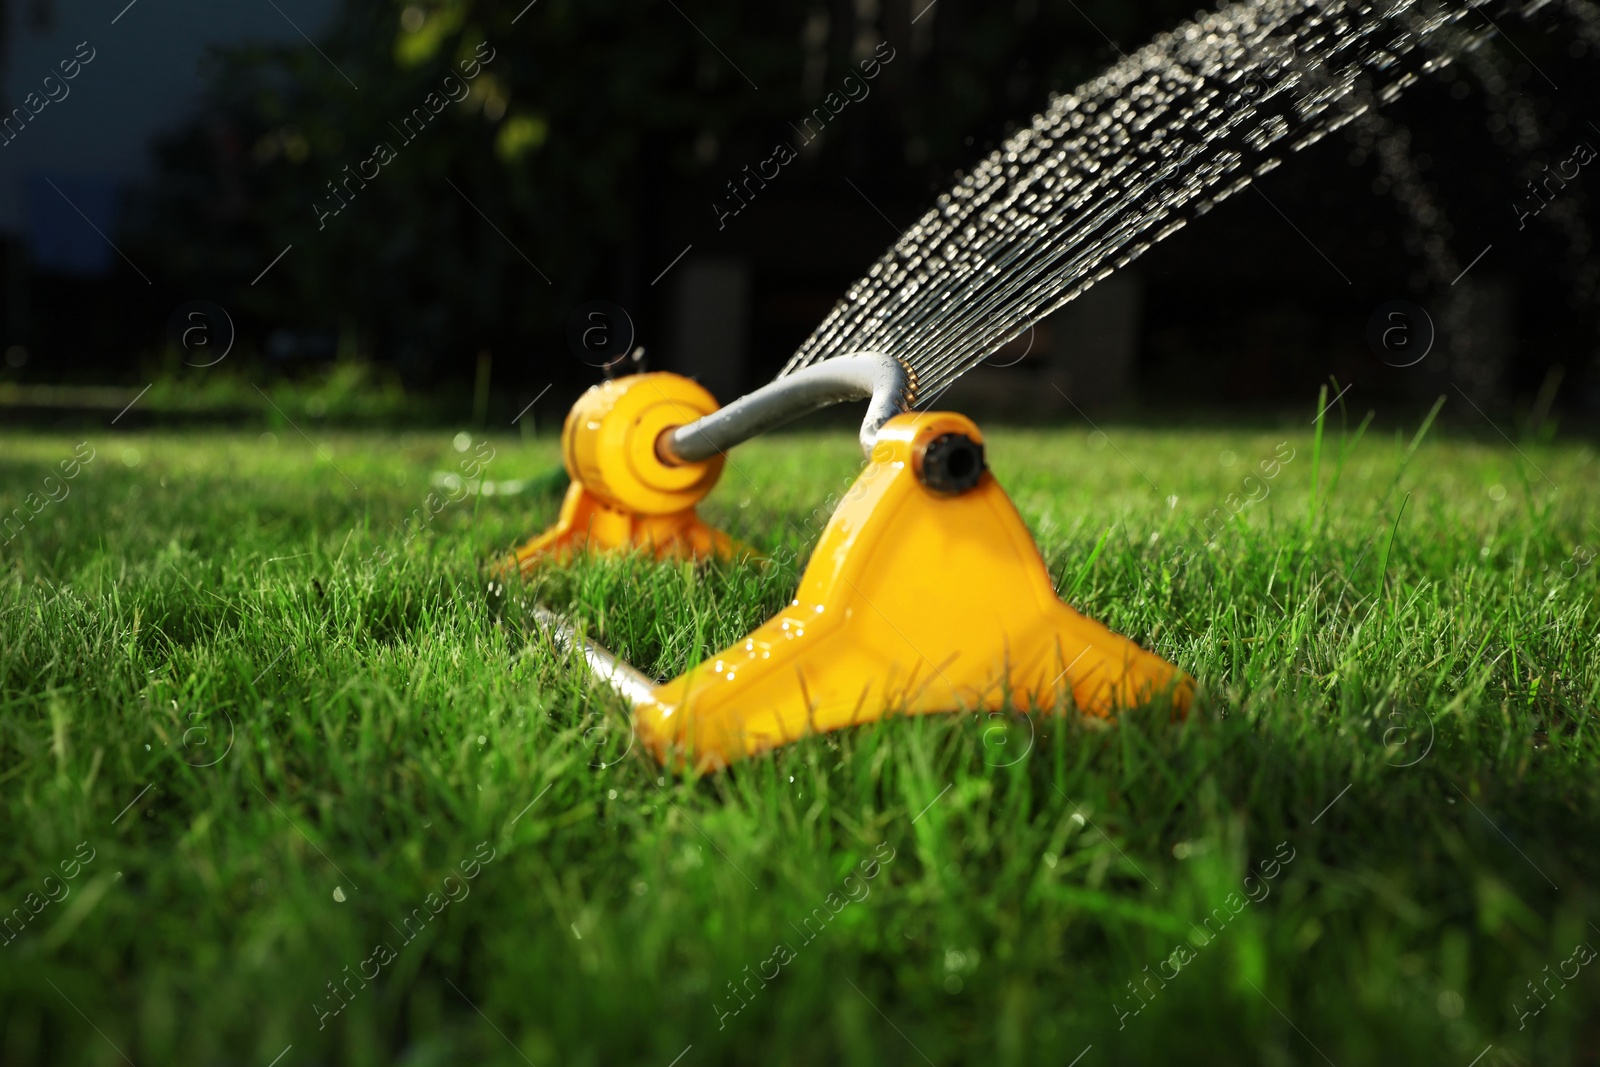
[232, 670]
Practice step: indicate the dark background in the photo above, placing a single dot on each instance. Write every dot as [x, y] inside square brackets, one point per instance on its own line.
[597, 140]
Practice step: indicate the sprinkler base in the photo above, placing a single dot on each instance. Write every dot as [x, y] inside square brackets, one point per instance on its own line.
[926, 593]
[587, 523]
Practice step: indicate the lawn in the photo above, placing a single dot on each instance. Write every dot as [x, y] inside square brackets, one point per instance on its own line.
[289, 777]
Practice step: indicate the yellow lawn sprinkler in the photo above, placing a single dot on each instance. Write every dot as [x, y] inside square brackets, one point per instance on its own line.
[925, 593]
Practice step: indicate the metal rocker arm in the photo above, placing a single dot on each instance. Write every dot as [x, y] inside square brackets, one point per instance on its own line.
[888, 383]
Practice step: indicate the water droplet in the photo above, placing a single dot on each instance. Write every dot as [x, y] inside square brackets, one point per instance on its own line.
[338, 893]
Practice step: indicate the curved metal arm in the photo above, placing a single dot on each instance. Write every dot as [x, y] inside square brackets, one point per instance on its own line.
[853, 377]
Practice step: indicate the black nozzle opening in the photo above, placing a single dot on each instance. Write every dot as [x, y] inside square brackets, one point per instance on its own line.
[952, 463]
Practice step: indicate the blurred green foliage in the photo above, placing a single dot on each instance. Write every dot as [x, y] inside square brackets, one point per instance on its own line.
[592, 127]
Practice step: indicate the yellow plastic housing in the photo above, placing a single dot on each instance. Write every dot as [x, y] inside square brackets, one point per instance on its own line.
[623, 497]
[914, 601]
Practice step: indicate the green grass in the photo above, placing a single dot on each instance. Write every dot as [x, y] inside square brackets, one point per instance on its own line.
[276, 741]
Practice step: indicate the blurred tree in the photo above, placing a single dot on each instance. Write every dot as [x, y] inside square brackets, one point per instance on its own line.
[586, 126]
